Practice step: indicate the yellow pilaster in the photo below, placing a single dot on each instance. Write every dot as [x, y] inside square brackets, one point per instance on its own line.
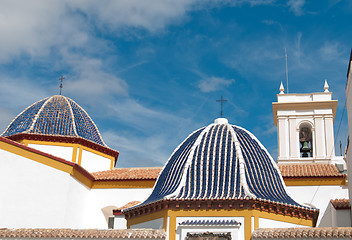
[74, 154]
[80, 156]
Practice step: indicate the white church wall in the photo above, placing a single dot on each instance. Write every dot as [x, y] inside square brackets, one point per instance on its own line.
[93, 162]
[59, 151]
[100, 198]
[318, 196]
[35, 195]
[335, 217]
[268, 223]
[42, 196]
[236, 232]
[120, 222]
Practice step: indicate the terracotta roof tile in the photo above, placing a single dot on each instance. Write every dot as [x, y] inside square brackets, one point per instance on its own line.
[143, 173]
[128, 205]
[83, 233]
[309, 170]
[306, 233]
[341, 203]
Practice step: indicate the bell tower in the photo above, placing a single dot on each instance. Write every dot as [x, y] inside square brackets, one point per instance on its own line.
[305, 126]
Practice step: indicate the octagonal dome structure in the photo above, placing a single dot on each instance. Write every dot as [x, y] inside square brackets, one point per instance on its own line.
[55, 116]
[221, 161]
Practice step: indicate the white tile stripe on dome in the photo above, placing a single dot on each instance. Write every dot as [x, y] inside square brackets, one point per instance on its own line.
[189, 160]
[37, 114]
[239, 156]
[72, 116]
[16, 118]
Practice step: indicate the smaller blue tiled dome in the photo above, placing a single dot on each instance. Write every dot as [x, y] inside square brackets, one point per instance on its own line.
[55, 116]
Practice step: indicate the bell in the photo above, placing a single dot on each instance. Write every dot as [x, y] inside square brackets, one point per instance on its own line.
[305, 147]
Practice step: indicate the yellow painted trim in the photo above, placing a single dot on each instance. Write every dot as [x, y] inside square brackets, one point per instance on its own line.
[149, 217]
[124, 184]
[80, 156]
[172, 226]
[256, 222]
[48, 161]
[112, 164]
[319, 181]
[80, 177]
[74, 154]
[36, 157]
[62, 144]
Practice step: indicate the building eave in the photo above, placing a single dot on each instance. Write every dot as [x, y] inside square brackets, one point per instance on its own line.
[227, 204]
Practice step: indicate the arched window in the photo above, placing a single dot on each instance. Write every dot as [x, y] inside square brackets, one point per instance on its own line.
[305, 140]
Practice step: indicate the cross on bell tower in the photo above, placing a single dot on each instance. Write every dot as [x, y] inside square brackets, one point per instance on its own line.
[61, 79]
[221, 103]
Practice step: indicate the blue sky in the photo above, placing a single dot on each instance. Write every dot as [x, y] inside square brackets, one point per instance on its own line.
[149, 72]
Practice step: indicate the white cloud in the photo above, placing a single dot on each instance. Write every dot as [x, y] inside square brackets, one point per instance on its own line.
[332, 51]
[33, 27]
[36, 28]
[211, 84]
[137, 151]
[141, 117]
[89, 78]
[296, 6]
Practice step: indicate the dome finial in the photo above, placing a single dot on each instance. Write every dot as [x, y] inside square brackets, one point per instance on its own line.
[282, 89]
[326, 86]
[61, 78]
[221, 102]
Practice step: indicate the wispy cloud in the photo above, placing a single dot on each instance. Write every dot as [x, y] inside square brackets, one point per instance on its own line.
[296, 6]
[211, 84]
[332, 51]
[137, 151]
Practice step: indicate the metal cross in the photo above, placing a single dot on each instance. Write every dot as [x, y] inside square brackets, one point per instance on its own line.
[221, 102]
[61, 79]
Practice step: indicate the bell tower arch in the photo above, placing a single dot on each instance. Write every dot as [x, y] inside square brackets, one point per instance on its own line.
[305, 126]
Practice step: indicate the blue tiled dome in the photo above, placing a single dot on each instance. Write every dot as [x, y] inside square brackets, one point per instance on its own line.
[55, 116]
[221, 161]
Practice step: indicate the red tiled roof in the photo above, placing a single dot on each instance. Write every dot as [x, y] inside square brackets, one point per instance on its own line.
[128, 205]
[341, 203]
[82, 233]
[144, 173]
[118, 211]
[309, 170]
[306, 233]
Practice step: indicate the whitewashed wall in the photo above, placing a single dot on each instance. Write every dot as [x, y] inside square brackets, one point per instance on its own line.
[59, 151]
[268, 223]
[33, 195]
[90, 161]
[93, 162]
[319, 196]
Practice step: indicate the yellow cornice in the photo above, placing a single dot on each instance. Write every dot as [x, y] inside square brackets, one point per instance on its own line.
[123, 184]
[304, 106]
[315, 181]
